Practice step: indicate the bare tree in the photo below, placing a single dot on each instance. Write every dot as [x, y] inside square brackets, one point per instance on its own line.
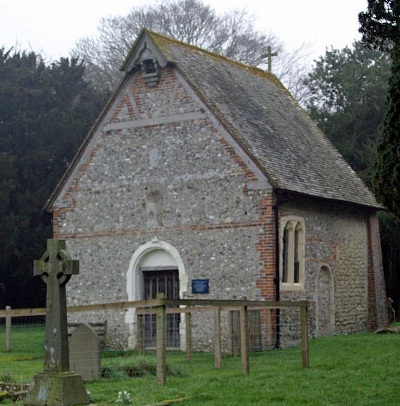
[231, 34]
[292, 68]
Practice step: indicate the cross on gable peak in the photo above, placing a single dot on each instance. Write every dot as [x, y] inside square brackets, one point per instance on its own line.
[269, 56]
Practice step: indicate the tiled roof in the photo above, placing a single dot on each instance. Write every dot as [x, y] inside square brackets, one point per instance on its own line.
[268, 123]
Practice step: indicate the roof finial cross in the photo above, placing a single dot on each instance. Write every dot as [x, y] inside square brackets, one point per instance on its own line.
[269, 56]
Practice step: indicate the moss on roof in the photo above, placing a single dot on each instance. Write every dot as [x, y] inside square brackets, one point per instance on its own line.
[163, 42]
[271, 127]
[263, 118]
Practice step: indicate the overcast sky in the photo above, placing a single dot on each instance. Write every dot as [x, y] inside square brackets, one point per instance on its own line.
[52, 27]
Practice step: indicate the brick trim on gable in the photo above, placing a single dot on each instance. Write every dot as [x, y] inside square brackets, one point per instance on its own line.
[249, 173]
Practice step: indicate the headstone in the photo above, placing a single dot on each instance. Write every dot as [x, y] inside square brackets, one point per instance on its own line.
[84, 352]
[56, 386]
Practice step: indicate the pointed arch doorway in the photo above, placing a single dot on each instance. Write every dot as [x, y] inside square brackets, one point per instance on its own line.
[156, 267]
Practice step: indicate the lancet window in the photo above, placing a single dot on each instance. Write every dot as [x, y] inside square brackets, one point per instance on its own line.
[292, 252]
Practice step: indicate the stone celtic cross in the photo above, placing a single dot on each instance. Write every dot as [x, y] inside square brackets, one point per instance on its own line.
[56, 267]
[56, 386]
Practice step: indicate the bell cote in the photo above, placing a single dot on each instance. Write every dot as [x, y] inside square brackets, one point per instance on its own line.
[145, 56]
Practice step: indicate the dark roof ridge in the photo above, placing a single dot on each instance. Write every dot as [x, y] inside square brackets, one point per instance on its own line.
[158, 40]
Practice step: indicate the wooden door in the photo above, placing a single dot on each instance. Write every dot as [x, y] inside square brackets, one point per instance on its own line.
[167, 282]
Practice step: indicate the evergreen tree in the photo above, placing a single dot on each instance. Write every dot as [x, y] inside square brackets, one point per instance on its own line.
[348, 89]
[380, 29]
[45, 111]
[387, 178]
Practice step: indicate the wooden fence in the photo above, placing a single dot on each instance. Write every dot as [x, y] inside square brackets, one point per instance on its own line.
[162, 306]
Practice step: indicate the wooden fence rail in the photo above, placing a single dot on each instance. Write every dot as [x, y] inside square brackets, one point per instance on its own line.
[162, 306]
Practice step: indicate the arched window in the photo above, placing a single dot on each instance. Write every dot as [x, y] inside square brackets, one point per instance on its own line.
[285, 254]
[292, 252]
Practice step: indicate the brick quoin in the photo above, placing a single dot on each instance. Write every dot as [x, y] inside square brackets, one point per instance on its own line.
[376, 311]
[266, 249]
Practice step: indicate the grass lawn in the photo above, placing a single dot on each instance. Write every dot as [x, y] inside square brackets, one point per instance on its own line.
[357, 369]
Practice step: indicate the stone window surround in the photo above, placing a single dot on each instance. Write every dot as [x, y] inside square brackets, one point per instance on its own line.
[293, 225]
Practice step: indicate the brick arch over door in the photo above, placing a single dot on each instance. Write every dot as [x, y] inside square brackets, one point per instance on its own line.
[154, 253]
[325, 305]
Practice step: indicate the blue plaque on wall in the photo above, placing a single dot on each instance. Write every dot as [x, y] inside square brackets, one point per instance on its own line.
[200, 286]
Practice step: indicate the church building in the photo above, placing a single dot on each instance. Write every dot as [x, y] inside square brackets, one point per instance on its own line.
[203, 170]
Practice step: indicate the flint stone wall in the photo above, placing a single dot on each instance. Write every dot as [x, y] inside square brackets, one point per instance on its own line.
[335, 238]
[161, 166]
[179, 182]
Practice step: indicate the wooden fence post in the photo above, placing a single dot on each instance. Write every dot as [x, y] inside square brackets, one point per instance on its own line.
[270, 330]
[8, 329]
[217, 338]
[140, 338]
[161, 336]
[304, 336]
[244, 347]
[188, 327]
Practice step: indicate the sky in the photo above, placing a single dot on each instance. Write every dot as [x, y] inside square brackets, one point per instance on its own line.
[52, 27]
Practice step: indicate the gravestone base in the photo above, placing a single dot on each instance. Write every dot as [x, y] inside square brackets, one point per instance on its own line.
[57, 389]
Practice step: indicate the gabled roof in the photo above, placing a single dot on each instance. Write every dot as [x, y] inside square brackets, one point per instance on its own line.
[263, 118]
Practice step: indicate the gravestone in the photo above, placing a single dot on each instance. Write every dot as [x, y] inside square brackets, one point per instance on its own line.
[84, 353]
[56, 386]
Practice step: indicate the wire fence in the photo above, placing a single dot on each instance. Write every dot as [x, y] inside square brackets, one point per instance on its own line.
[165, 337]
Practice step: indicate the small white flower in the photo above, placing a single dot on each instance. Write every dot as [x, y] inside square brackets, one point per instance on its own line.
[124, 398]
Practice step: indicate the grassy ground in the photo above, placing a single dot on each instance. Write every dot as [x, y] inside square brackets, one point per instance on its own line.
[357, 369]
